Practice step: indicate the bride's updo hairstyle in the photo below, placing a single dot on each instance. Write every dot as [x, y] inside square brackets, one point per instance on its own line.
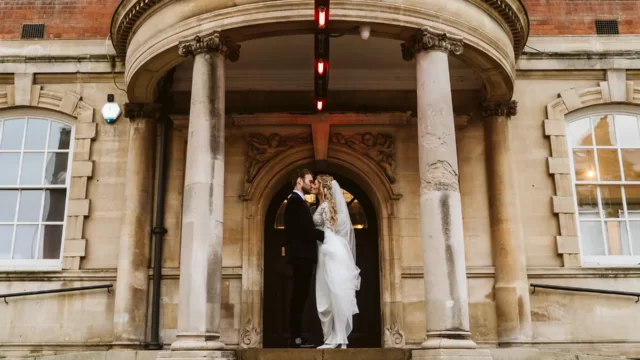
[327, 194]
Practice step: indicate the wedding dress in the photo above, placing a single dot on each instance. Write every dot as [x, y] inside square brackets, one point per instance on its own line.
[337, 276]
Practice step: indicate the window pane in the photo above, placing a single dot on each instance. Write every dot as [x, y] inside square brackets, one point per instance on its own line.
[611, 198]
[12, 135]
[60, 136]
[628, 131]
[591, 238]
[631, 164]
[608, 165]
[6, 233]
[26, 237]
[635, 236]
[9, 165]
[617, 237]
[587, 200]
[579, 132]
[8, 200]
[36, 134]
[30, 202]
[55, 172]
[51, 238]
[604, 131]
[54, 203]
[32, 167]
[584, 165]
[632, 196]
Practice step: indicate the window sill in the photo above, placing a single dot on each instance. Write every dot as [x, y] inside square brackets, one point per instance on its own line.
[610, 261]
[30, 266]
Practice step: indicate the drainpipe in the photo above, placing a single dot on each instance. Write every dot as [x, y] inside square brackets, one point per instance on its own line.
[158, 233]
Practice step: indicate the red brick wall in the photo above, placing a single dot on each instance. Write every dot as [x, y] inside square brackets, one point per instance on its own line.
[577, 17]
[63, 19]
[82, 19]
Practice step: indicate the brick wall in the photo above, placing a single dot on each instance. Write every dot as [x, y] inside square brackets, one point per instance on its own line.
[83, 19]
[63, 19]
[577, 17]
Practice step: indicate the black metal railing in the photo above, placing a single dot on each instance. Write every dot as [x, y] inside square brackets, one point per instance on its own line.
[53, 291]
[585, 290]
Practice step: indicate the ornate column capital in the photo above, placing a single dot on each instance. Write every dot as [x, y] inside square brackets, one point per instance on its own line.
[215, 42]
[431, 39]
[141, 110]
[503, 108]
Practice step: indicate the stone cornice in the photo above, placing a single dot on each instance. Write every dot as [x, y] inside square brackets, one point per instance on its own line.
[432, 39]
[215, 42]
[494, 109]
[129, 12]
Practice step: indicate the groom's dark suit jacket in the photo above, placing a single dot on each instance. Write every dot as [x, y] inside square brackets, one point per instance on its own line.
[300, 231]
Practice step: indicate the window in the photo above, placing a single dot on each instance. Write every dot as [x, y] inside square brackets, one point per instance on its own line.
[35, 155]
[356, 212]
[605, 158]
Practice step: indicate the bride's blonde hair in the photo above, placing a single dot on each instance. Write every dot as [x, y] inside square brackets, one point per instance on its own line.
[327, 194]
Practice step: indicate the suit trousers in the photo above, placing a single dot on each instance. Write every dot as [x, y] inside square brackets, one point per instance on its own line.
[302, 279]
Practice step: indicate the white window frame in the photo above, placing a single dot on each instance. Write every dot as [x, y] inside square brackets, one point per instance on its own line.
[590, 112]
[12, 265]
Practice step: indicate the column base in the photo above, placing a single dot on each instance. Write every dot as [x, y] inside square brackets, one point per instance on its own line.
[451, 354]
[448, 343]
[191, 344]
[197, 355]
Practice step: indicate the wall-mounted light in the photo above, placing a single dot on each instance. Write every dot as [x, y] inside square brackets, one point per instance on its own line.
[111, 110]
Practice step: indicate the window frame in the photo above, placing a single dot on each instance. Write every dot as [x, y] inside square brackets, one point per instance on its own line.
[591, 112]
[34, 265]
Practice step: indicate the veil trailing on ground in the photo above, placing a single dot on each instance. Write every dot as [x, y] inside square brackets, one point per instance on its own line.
[343, 226]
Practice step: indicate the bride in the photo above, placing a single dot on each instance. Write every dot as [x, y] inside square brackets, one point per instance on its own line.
[337, 276]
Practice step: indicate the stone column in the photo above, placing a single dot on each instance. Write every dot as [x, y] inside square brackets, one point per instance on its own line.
[198, 333]
[130, 312]
[511, 287]
[445, 278]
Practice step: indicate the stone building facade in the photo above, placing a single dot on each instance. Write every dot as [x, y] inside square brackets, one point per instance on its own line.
[485, 145]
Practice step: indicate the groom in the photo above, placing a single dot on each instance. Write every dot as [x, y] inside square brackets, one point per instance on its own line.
[301, 250]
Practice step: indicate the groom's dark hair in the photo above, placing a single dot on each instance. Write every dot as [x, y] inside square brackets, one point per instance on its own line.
[299, 174]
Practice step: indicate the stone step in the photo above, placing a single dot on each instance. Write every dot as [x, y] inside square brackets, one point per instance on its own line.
[333, 354]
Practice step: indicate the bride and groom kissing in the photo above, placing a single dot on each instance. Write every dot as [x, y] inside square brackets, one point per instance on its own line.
[324, 242]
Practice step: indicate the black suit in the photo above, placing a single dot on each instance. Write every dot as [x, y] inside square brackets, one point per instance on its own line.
[302, 254]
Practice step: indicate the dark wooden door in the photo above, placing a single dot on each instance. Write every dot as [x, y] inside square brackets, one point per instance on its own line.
[367, 332]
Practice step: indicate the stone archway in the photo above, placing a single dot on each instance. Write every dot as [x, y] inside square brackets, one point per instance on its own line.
[259, 194]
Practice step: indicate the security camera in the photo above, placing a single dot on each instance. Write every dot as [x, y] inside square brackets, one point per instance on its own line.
[365, 31]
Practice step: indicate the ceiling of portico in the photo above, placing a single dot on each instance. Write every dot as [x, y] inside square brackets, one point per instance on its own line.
[286, 64]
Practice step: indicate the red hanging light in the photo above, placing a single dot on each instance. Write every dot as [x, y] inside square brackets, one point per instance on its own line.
[321, 53]
[320, 104]
[321, 13]
[322, 66]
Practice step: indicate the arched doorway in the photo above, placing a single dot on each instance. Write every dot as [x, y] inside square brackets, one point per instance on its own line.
[278, 278]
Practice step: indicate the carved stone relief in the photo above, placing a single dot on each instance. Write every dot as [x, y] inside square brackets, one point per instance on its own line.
[379, 147]
[250, 335]
[393, 336]
[440, 176]
[263, 148]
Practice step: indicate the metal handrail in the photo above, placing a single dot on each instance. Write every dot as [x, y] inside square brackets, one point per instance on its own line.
[52, 291]
[586, 290]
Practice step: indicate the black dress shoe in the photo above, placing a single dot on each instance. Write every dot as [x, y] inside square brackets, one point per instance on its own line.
[300, 343]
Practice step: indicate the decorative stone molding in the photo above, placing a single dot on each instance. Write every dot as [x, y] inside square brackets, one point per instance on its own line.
[141, 111]
[559, 163]
[495, 109]
[379, 147]
[393, 336]
[431, 39]
[250, 336]
[215, 42]
[262, 148]
[78, 207]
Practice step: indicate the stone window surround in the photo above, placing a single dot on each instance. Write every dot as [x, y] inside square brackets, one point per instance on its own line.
[69, 108]
[616, 90]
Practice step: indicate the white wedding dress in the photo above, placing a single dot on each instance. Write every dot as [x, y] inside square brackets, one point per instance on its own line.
[337, 276]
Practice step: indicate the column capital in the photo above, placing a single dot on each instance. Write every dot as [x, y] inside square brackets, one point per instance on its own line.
[214, 42]
[500, 108]
[429, 38]
[141, 110]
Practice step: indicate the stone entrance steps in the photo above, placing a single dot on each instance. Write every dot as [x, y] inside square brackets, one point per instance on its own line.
[314, 354]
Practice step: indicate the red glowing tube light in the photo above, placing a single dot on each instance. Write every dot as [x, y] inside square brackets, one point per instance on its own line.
[322, 66]
[320, 103]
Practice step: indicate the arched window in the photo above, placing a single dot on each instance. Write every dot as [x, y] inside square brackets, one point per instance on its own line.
[605, 162]
[356, 212]
[35, 158]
